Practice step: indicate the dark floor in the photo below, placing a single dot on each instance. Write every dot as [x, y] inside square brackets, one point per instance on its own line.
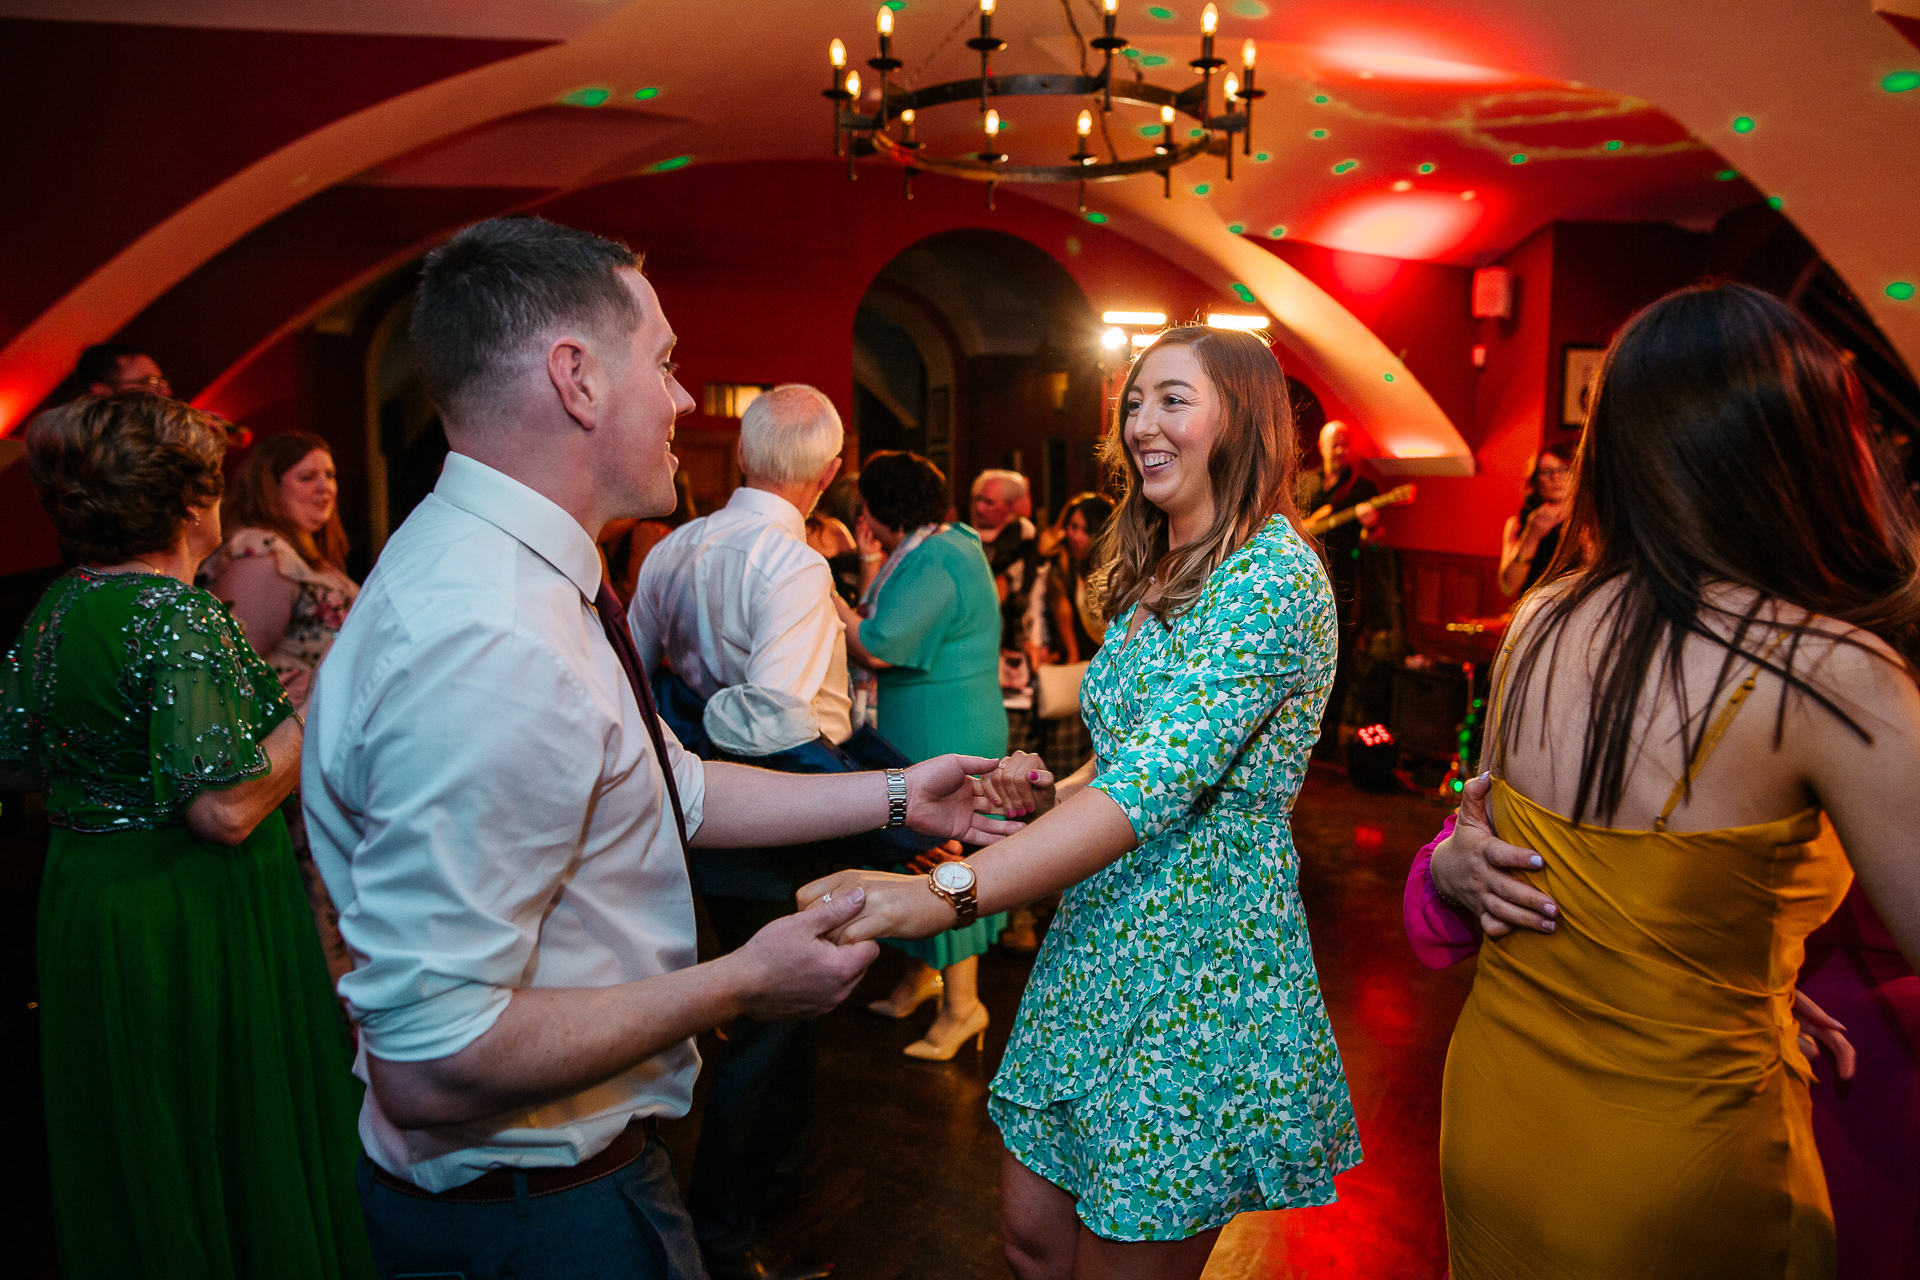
[908, 1164]
[907, 1172]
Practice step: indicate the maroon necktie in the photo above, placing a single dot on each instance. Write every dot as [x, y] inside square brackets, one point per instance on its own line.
[614, 619]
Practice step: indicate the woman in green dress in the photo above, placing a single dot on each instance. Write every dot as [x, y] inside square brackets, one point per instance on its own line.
[200, 1109]
[1172, 1065]
[931, 633]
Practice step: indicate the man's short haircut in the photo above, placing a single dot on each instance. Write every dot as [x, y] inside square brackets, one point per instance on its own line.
[789, 434]
[1012, 479]
[1333, 425]
[98, 363]
[497, 287]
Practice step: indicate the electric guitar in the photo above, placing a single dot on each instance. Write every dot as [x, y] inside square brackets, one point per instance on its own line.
[1391, 498]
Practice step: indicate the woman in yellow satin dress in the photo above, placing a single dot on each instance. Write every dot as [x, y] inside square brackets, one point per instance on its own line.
[1624, 1094]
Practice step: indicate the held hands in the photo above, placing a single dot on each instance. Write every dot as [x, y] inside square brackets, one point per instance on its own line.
[794, 967]
[1469, 870]
[895, 906]
[954, 796]
[1018, 787]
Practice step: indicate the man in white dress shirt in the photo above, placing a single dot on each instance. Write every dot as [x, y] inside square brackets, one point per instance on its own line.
[490, 802]
[742, 610]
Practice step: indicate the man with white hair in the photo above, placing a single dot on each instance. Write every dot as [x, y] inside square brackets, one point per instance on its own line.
[741, 610]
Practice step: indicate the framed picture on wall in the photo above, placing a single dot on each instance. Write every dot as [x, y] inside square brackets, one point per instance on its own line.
[1579, 366]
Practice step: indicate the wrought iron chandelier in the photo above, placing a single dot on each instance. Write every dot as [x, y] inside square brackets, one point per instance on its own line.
[856, 134]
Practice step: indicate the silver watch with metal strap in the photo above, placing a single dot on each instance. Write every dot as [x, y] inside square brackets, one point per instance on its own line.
[896, 797]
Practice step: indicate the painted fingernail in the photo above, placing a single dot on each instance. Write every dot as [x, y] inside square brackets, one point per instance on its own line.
[1034, 776]
[1550, 909]
[1536, 862]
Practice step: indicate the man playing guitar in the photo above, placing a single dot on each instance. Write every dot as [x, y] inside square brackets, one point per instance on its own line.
[1329, 491]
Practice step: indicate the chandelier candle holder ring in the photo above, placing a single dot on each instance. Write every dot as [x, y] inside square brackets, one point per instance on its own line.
[871, 133]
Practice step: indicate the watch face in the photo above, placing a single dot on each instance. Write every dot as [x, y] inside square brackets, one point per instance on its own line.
[954, 877]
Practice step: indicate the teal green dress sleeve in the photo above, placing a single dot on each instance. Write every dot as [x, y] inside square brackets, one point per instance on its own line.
[1236, 658]
[913, 612]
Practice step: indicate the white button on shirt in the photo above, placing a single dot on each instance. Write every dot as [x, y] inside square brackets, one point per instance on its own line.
[739, 598]
[484, 805]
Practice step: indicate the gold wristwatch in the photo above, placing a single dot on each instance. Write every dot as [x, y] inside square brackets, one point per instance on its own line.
[954, 882]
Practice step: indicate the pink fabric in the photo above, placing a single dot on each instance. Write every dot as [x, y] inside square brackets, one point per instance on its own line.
[1439, 934]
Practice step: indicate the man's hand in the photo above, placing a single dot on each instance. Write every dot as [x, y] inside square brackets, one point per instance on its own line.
[793, 971]
[1468, 869]
[1545, 519]
[943, 800]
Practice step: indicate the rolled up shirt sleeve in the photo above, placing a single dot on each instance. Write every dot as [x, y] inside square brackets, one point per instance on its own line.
[1240, 659]
[468, 833]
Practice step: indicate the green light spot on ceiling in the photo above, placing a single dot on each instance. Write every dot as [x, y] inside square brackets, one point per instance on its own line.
[1321, 99]
[1774, 202]
[1427, 168]
[1518, 157]
[1614, 144]
[1160, 12]
[896, 5]
[1131, 53]
[1901, 82]
[1237, 227]
[1154, 60]
[1901, 290]
[1097, 219]
[1241, 292]
[1202, 188]
[1250, 8]
[1318, 133]
[1196, 133]
[1743, 124]
[1262, 156]
[588, 97]
[669, 165]
[1387, 376]
[1346, 166]
[647, 94]
[1726, 175]
[1277, 232]
[1151, 130]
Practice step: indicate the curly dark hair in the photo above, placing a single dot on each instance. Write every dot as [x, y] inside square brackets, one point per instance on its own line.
[117, 473]
[904, 490]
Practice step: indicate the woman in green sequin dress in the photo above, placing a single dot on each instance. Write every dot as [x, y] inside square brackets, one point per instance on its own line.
[200, 1109]
[1172, 1065]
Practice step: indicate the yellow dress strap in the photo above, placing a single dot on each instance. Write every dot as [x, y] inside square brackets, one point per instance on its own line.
[1711, 739]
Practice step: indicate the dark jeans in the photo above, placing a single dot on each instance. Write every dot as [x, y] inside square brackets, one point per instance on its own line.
[755, 1128]
[629, 1225]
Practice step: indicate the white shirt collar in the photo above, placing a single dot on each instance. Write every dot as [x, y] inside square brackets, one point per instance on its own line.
[772, 506]
[525, 515]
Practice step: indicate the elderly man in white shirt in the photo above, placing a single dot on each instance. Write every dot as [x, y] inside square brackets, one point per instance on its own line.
[495, 809]
[742, 610]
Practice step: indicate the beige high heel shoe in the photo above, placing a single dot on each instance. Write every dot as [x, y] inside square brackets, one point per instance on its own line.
[974, 1028]
[927, 990]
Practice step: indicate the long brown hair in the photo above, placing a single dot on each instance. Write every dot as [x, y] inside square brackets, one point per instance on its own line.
[255, 500]
[1727, 443]
[1253, 466]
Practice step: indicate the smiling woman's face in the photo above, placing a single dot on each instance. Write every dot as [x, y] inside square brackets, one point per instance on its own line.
[1172, 417]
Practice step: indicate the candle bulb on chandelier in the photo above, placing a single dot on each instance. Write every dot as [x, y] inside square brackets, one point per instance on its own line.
[906, 121]
[1246, 56]
[1209, 20]
[837, 55]
[885, 20]
[993, 125]
[853, 88]
[1231, 88]
[1084, 125]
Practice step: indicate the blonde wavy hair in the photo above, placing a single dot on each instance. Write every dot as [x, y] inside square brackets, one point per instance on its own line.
[1253, 466]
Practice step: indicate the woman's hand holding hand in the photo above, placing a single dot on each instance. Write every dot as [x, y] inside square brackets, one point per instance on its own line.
[1019, 786]
[896, 906]
[1469, 868]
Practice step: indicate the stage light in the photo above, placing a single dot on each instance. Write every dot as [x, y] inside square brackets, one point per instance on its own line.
[1223, 320]
[1134, 317]
[1113, 339]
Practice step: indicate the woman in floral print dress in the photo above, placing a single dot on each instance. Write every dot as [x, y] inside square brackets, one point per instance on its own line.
[1172, 1065]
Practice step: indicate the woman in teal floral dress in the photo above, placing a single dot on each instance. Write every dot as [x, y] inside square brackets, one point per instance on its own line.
[200, 1109]
[1173, 1064]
